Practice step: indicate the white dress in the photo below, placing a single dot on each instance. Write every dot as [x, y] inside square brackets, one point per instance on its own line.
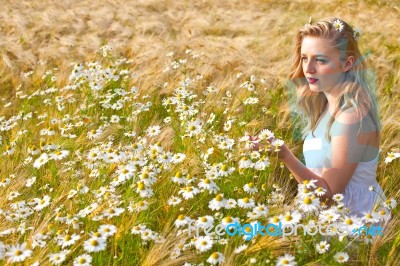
[357, 196]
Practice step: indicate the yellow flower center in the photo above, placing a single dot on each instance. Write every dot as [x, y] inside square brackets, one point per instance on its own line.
[228, 219]
[288, 217]
[94, 243]
[307, 200]
[215, 255]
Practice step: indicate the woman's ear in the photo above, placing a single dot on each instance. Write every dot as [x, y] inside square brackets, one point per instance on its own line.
[349, 63]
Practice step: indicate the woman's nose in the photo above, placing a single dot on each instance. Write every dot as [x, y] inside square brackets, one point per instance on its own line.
[309, 67]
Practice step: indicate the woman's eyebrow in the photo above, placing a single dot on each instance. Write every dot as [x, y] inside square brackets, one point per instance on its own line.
[319, 55]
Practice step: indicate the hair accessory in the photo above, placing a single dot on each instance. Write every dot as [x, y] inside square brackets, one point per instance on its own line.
[309, 22]
[338, 25]
[357, 33]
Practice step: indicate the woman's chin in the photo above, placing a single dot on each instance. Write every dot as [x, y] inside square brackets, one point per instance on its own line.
[314, 88]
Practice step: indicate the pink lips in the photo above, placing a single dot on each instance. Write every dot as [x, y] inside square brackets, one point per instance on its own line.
[312, 80]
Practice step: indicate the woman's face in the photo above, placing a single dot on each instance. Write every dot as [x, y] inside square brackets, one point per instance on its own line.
[321, 64]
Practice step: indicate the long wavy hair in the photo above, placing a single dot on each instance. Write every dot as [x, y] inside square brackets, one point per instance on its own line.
[355, 91]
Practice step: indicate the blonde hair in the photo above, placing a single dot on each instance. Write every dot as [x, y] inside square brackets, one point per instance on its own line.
[355, 91]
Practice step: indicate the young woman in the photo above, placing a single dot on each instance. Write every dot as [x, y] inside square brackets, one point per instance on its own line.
[341, 143]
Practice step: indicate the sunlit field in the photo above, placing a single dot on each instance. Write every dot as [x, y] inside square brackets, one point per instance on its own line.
[124, 123]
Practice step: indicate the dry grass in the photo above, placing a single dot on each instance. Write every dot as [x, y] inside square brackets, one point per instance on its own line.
[253, 37]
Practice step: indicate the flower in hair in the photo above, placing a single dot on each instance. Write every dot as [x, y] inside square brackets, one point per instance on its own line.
[338, 25]
[309, 22]
[357, 33]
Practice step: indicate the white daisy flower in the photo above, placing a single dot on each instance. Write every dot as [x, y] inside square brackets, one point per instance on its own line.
[328, 216]
[209, 185]
[41, 203]
[322, 247]
[352, 223]
[226, 144]
[204, 243]
[341, 257]
[194, 128]
[229, 219]
[83, 260]
[390, 203]
[153, 131]
[43, 159]
[338, 25]
[205, 221]
[357, 33]
[320, 191]
[391, 156]
[178, 158]
[383, 214]
[217, 203]
[245, 163]
[107, 230]
[285, 260]
[18, 253]
[338, 197]
[274, 220]
[189, 192]
[309, 203]
[370, 217]
[95, 244]
[309, 184]
[290, 217]
[58, 258]
[240, 249]
[230, 204]
[225, 170]
[29, 181]
[266, 134]
[59, 155]
[174, 200]
[250, 188]
[261, 210]
[216, 258]
[138, 206]
[67, 240]
[181, 221]
[179, 178]
[262, 164]
[246, 203]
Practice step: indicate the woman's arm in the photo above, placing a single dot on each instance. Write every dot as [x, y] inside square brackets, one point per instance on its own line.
[334, 180]
[349, 147]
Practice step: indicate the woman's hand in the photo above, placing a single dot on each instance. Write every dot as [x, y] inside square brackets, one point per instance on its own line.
[273, 146]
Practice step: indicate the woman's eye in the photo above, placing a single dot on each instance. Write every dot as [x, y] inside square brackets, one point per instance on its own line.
[321, 60]
[303, 59]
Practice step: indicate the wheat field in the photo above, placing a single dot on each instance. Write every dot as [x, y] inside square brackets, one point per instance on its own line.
[124, 121]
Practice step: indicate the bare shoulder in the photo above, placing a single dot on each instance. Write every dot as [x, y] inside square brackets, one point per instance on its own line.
[351, 115]
[358, 124]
